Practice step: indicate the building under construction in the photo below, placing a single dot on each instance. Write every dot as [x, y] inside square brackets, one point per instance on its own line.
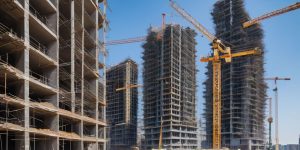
[169, 88]
[122, 100]
[243, 86]
[52, 92]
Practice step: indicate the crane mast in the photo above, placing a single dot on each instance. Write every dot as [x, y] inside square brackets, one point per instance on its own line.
[271, 14]
[270, 120]
[275, 79]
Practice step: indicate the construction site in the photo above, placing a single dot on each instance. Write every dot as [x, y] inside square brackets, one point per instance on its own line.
[169, 88]
[59, 91]
[52, 88]
[122, 99]
[243, 86]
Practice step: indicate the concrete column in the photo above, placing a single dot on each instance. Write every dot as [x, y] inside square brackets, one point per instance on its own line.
[104, 68]
[82, 70]
[180, 63]
[26, 73]
[97, 83]
[73, 56]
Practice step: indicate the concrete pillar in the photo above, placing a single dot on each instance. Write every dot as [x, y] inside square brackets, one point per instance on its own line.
[26, 73]
[82, 73]
[104, 67]
[73, 56]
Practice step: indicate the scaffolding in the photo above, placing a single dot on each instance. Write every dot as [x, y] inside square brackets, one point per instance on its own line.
[51, 91]
[243, 87]
[170, 88]
[122, 105]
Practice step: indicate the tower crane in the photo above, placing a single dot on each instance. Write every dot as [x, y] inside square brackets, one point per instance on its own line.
[138, 39]
[276, 108]
[220, 52]
[271, 14]
[270, 120]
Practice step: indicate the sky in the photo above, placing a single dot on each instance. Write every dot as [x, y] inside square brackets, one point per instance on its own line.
[132, 18]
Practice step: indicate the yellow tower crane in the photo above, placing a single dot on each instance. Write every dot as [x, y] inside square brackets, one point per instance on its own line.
[220, 51]
[271, 14]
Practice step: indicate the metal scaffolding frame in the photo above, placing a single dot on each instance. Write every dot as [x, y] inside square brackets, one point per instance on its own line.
[51, 94]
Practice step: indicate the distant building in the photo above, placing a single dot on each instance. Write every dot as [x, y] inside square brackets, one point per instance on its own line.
[169, 93]
[201, 135]
[122, 106]
[290, 147]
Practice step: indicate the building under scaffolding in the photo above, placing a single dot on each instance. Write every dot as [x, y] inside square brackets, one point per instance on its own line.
[122, 106]
[169, 88]
[243, 87]
[52, 94]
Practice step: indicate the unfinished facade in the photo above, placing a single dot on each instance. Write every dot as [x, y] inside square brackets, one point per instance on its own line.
[122, 106]
[243, 86]
[169, 88]
[51, 90]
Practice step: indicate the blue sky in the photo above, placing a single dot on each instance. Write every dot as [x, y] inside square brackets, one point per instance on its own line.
[132, 18]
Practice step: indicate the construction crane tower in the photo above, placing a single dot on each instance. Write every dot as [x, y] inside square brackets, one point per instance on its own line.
[275, 79]
[270, 120]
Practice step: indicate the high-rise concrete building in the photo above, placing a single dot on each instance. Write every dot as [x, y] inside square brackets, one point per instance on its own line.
[52, 93]
[122, 106]
[169, 93]
[243, 86]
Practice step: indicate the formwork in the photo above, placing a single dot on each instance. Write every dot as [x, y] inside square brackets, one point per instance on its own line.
[243, 87]
[51, 96]
[122, 105]
[169, 76]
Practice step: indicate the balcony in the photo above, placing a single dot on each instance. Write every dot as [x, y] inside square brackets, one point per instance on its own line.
[101, 93]
[90, 20]
[12, 73]
[39, 50]
[47, 6]
[90, 93]
[90, 40]
[10, 41]
[40, 24]
[90, 71]
[39, 83]
[13, 8]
